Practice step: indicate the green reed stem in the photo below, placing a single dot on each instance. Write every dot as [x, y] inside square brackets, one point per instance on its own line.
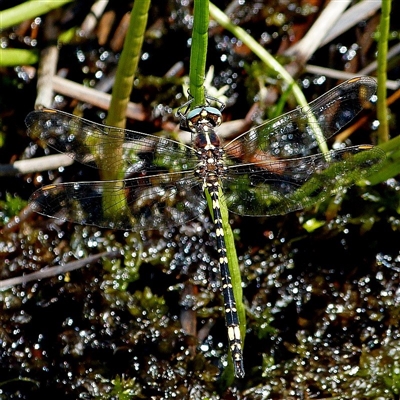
[382, 112]
[30, 9]
[197, 74]
[122, 89]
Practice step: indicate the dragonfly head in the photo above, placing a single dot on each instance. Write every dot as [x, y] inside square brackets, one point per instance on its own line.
[203, 116]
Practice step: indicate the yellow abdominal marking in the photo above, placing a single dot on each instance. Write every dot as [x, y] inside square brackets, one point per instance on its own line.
[219, 232]
[234, 334]
[223, 260]
[215, 204]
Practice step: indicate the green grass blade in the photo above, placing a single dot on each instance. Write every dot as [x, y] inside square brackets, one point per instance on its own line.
[198, 53]
[383, 131]
[125, 75]
[30, 9]
[14, 57]
[391, 165]
[127, 64]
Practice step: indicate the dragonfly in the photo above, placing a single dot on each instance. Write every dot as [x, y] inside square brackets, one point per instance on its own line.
[274, 168]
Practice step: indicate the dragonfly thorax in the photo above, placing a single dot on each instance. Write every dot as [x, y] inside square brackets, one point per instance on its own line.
[210, 154]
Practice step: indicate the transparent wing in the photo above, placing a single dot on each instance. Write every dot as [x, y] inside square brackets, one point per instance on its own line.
[288, 185]
[148, 202]
[270, 169]
[276, 167]
[105, 147]
[293, 134]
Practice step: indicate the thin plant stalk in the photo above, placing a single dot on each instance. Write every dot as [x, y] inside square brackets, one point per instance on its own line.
[382, 112]
[198, 52]
[128, 64]
[197, 75]
[30, 9]
[14, 57]
[122, 89]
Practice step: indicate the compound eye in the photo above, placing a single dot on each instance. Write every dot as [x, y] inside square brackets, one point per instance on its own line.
[205, 114]
[213, 115]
